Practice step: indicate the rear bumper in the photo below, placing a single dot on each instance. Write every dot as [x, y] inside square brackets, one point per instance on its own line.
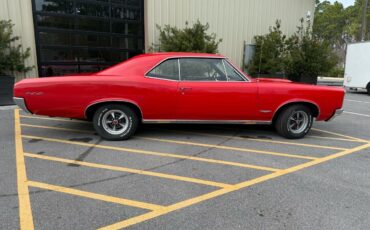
[337, 113]
[21, 104]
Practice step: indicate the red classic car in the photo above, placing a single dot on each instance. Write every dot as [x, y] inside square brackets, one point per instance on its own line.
[179, 88]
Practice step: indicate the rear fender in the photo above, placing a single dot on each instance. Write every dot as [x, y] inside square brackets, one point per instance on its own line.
[112, 100]
[297, 101]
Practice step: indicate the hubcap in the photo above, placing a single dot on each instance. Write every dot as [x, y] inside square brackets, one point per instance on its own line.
[115, 122]
[298, 122]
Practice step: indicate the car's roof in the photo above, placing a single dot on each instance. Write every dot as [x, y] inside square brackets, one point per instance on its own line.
[140, 64]
[181, 54]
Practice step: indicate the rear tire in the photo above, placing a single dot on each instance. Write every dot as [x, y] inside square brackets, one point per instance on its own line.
[294, 122]
[115, 122]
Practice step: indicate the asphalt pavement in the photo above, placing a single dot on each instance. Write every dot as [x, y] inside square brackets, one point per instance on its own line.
[58, 174]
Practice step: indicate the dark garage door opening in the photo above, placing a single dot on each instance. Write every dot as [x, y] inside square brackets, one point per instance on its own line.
[79, 36]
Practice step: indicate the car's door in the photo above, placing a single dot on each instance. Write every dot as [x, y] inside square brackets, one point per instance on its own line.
[211, 89]
[161, 91]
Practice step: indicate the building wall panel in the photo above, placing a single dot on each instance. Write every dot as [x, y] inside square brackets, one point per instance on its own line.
[20, 12]
[235, 21]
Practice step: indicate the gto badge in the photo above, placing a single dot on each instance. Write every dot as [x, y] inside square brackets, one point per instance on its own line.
[34, 93]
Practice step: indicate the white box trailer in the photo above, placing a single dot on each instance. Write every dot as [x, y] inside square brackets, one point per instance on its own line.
[357, 70]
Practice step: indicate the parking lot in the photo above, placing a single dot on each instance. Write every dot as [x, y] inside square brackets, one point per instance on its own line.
[58, 174]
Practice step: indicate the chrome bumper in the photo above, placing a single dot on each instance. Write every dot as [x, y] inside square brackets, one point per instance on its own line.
[21, 104]
[337, 113]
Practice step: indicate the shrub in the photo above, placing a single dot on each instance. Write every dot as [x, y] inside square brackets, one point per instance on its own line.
[190, 39]
[307, 56]
[11, 57]
[269, 50]
[301, 57]
[336, 72]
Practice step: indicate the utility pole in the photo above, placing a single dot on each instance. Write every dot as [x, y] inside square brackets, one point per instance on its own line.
[364, 20]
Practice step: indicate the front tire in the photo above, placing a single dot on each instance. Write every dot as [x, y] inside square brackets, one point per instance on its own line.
[294, 122]
[115, 122]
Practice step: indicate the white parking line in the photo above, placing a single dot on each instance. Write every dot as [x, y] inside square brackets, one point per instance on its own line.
[358, 114]
[365, 102]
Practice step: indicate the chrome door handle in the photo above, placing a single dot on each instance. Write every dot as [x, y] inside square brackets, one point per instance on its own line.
[184, 89]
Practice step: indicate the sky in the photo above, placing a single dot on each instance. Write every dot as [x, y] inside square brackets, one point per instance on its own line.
[345, 3]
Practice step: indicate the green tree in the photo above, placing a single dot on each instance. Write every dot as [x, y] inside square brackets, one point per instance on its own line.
[300, 57]
[269, 50]
[307, 56]
[190, 39]
[339, 25]
[11, 57]
[329, 22]
[354, 21]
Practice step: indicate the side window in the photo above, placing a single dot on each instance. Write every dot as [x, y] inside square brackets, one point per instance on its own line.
[166, 70]
[202, 69]
[232, 74]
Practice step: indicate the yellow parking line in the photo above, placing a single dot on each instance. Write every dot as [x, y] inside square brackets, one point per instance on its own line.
[25, 210]
[159, 154]
[337, 139]
[95, 196]
[260, 140]
[217, 193]
[230, 148]
[341, 135]
[128, 170]
[53, 119]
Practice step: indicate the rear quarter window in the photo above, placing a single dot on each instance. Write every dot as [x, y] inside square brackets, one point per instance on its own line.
[167, 70]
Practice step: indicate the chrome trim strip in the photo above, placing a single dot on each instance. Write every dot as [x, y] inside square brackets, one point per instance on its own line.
[224, 59]
[236, 122]
[21, 104]
[178, 57]
[227, 76]
[163, 79]
[337, 113]
[179, 67]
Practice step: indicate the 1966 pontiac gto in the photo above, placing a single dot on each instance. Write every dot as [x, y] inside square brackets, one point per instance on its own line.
[179, 88]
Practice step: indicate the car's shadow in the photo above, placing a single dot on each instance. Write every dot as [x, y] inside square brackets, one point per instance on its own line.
[357, 92]
[247, 131]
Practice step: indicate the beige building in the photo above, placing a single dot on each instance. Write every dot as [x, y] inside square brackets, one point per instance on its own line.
[235, 21]
[67, 36]
[20, 12]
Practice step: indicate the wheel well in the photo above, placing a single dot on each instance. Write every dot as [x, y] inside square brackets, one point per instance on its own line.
[91, 109]
[313, 108]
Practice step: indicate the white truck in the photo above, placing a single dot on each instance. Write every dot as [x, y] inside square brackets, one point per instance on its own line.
[357, 71]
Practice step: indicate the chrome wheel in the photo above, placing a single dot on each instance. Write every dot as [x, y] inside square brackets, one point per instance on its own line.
[298, 122]
[115, 122]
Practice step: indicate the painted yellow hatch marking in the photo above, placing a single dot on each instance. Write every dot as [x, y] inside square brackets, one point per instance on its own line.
[25, 211]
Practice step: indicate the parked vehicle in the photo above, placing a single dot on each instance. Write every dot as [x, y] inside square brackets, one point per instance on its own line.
[357, 72]
[179, 88]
